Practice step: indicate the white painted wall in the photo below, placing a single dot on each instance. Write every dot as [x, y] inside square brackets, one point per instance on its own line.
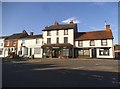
[86, 44]
[61, 36]
[31, 43]
[2, 47]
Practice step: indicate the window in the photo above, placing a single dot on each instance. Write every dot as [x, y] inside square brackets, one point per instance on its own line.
[65, 52]
[104, 42]
[14, 43]
[65, 32]
[92, 43]
[65, 39]
[1, 44]
[48, 40]
[80, 43]
[7, 43]
[57, 40]
[1, 52]
[57, 32]
[23, 41]
[37, 50]
[48, 33]
[104, 52]
[37, 41]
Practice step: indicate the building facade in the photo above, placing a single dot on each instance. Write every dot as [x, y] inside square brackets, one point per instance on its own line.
[11, 43]
[61, 41]
[30, 46]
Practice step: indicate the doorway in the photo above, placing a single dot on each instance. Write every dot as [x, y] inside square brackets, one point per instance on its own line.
[93, 52]
[55, 53]
[30, 51]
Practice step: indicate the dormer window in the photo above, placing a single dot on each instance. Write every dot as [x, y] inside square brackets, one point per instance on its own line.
[48, 33]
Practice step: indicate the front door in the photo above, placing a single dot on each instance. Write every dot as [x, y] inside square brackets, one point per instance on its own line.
[93, 52]
[55, 53]
[30, 51]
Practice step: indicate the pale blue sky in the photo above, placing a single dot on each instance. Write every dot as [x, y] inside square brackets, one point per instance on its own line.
[34, 16]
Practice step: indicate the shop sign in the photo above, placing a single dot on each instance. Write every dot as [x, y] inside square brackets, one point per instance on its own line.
[55, 47]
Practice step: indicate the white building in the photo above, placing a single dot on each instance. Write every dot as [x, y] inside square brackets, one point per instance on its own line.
[63, 40]
[59, 40]
[96, 44]
[2, 51]
[30, 46]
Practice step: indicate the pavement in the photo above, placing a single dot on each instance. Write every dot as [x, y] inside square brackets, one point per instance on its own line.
[60, 73]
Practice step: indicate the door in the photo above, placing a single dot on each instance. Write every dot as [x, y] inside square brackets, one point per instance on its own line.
[93, 52]
[30, 51]
[55, 53]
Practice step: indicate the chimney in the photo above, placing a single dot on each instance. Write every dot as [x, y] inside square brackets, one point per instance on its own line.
[56, 23]
[71, 22]
[107, 27]
[24, 31]
[31, 33]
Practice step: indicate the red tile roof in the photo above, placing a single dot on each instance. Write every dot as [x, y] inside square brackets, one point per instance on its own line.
[94, 35]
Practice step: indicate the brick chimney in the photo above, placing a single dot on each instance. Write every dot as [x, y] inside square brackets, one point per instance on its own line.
[56, 23]
[31, 33]
[71, 22]
[107, 27]
[24, 31]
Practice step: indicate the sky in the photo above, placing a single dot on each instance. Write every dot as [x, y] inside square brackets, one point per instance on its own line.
[34, 16]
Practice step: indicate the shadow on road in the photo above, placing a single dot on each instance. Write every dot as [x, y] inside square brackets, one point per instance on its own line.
[48, 75]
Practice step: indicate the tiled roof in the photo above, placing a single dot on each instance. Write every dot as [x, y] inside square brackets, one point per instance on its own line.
[94, 35]
[117, 47]
[16, 36]
[57, 45]
[4, 37]
[60, 27]
[34, 36]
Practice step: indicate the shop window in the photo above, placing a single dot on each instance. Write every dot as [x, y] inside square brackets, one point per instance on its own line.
[65, 52]
[37, 50]
[104, 52]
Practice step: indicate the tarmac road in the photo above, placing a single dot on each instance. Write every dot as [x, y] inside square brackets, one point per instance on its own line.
[61, 73]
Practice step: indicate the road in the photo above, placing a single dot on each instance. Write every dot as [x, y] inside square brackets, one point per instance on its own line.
[61, 73]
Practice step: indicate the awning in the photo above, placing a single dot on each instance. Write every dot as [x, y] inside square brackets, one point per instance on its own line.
[63, 45]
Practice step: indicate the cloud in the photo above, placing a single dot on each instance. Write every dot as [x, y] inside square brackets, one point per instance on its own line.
[75, 20]
[93, 28]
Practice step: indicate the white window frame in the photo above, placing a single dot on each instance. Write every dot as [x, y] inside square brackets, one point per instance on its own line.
[37, 50]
